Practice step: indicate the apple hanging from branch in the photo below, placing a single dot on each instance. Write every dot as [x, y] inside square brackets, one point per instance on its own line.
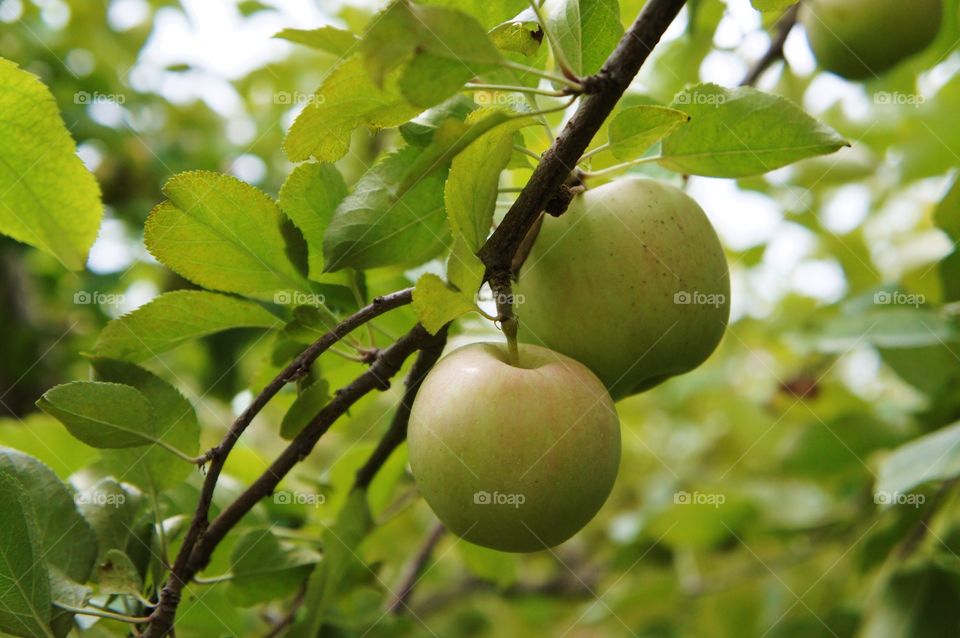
[515, 458]
[859, 39]
[631, 281]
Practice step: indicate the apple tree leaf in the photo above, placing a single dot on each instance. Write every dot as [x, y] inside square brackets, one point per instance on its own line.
[309, 197]
[310, 400]
[438, 49]
[771, 6]
[742, 132]
[587, 31]
[111, 508]
[470, 193]
[175, 427]
[223, 234]
[116, 574]
[932, 457]
[69, 542]
[372, 227]
[347, 99]
[174, 318]
[48, 199]
[329, 39]
[263, 569]
[24, 584]
[520, 35]
[436, 303]
[340, 557]
[635, 129]
[104, 415]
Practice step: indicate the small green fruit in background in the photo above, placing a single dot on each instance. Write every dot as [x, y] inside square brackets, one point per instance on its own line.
[517, 458]
[858, 39]
[631, 281]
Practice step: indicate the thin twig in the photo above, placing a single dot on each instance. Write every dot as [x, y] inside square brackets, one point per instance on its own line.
[397, 432]
[557, 163]
[775, 51]
[412, 574]
[181, 572]
[281, 625]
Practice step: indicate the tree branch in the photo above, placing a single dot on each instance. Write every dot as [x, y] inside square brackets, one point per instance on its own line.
[775, 51]
[414, 569]
[184, 566]
[397, 432]
[604, 90]
[561, 158]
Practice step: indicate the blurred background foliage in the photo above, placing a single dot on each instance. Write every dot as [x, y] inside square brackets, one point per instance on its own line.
[843, 345]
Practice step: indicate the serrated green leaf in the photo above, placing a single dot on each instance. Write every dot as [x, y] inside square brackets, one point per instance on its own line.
[111, 509]
[520, 35]
[373, 228]
[452, 138]
[437, 304]
[263, 569]
[437, 48]
[223, 234]
[67, 539]
[101, 414]
[174, 318]
[48, 199]
[175, 427]
[634, 130]
[587, 31]
[116, 574]
[24, 584]
[310, 400]
[340, 556]
[485, 12]
[347, 100]
[309, 197]
[330, 39]
[421, 130]
[741, 132]
[470, 193]
[464, 269]
[932, 457]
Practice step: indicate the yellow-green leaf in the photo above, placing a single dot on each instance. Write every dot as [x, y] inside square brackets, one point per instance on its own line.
[48, 199]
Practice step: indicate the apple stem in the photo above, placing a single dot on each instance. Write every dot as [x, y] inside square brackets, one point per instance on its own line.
[502, 289]
[509, 328]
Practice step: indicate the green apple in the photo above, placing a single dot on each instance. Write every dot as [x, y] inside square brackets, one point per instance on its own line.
[631, 281]
[859, 39]
[517, 458]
